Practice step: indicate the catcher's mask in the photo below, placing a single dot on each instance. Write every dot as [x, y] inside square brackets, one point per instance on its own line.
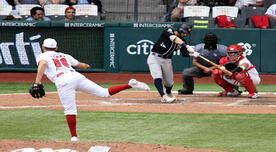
[234, 52]
[210, 40]
[184, 29]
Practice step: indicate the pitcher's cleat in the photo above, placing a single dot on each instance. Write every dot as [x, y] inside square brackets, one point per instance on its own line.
[138, 85]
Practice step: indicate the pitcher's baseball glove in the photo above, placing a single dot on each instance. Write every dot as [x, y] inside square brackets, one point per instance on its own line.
[37, 90]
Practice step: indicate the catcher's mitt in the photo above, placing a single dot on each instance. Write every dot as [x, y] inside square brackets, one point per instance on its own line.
[233, 67]
[37, 90]
[230, 66]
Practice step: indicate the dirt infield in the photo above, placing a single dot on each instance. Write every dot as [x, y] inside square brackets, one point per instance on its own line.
[115, 78]
[9, 145]
[131, 101]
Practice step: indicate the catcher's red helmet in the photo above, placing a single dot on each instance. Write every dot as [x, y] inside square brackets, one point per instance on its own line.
[234, 52]
[234, 48]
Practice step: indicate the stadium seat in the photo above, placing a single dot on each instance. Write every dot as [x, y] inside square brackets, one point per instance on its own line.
[247, 12]
[196, 11]
[149, 14]
[124, 10]
[55, 12]
[230, 11]
[87, 12]
[24, 9]
[5, 11]
[268, 3]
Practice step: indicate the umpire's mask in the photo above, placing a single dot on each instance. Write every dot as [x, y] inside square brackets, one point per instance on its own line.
[210, 40]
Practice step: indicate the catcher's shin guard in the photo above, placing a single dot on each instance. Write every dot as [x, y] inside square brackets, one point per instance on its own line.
[244, 79]
[217, 75]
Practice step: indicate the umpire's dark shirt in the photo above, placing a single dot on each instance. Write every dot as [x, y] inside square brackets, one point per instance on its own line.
[165, 47]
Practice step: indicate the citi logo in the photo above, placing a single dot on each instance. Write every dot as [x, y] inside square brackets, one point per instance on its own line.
[7, 56]
[141, 47]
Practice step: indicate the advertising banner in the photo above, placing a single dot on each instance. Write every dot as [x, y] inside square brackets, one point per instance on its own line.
[20, 46]
[135, 45]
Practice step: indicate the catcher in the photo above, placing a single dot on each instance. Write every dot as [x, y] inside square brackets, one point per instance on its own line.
[243, 73]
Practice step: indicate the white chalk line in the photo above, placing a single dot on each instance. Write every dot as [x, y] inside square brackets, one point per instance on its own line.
[238, 102]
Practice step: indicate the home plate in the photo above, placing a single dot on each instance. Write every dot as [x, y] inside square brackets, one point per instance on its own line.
[99, 149]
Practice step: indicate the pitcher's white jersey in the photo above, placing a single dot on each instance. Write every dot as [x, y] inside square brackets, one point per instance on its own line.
[58, 63]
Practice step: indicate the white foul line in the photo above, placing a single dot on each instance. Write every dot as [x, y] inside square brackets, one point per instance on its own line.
[238, 102]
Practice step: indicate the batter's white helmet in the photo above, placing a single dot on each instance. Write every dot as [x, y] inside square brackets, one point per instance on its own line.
[50, 43]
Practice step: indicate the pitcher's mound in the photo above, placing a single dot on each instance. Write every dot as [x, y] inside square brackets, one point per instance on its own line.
[34, 145]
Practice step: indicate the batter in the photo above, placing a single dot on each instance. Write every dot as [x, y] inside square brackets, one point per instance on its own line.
[160, 59]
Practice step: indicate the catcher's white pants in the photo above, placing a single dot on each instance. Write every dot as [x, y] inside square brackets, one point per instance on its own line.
[67, 85]
[161, 68]
[254, 76]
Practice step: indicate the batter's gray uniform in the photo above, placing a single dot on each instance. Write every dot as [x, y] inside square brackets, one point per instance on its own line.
[160, 62]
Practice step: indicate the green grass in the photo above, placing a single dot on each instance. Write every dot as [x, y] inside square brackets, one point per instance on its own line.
[50, 87]
[227, 132]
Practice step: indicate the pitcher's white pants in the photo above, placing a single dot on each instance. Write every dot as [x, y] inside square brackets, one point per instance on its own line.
[67, 85]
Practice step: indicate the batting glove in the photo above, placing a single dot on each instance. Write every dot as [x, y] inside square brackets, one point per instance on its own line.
[194, 54]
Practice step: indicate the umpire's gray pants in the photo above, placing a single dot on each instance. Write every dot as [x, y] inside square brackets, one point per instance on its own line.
[161, 68]
[189, 74]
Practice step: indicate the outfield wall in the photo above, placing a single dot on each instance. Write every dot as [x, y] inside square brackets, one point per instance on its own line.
[118, 47]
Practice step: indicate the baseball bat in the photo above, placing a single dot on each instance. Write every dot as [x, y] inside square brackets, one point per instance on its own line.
[227, 72]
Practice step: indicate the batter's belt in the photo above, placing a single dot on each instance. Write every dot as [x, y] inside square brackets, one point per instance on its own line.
[159, 55]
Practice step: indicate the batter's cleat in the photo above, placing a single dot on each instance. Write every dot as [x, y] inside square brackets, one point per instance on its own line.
[181, 91]
[138, 85]
[171, 95]
[74, 139]
[168, 99]
[253, 95]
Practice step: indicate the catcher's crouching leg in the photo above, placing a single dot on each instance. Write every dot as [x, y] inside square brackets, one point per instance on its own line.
[244, 79]
[217, 75]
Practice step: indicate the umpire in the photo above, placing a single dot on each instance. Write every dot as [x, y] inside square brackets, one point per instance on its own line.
[159, 59]
[211, 50]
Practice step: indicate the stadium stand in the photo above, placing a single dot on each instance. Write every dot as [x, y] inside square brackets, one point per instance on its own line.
[128, 10]
[87, 12]
[199, 16]
[247, 12]
[5, 11]
[24, 9]
[230, 11]
[55, 11]
[268, 3]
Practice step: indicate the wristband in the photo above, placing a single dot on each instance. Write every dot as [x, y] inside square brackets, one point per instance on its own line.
[183, 44]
